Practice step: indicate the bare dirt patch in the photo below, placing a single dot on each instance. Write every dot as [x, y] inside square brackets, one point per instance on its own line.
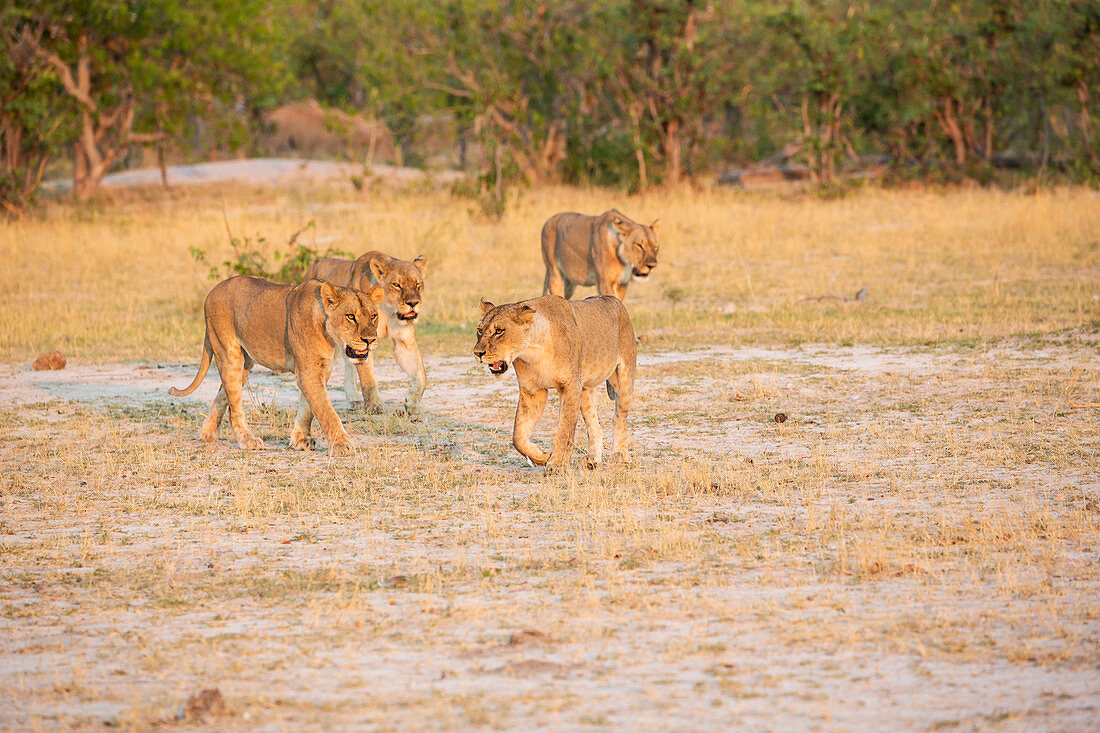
[914, 548]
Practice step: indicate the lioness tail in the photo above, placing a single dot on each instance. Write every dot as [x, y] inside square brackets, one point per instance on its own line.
[204, 366]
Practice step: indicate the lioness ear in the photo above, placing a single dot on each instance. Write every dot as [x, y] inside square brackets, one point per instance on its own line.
[377, 293]
[486, 306]
[378, 269]
[330, 296]
[655, 226]
[526, 314]
[421, 263]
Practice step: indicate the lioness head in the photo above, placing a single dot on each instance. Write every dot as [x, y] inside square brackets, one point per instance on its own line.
[351, 319]
[402, 282]
[504, 331]
[638, 245]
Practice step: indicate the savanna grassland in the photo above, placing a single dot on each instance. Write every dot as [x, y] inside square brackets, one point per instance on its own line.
[841, 515]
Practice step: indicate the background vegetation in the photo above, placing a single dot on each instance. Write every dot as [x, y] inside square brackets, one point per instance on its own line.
[630, 93]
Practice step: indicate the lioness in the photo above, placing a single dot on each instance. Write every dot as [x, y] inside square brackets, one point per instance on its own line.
[287, 328]
[570, 346]
[403, 284]
[605, 251]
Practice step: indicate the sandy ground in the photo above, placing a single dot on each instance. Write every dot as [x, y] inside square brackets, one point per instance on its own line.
[267, 172]
[548, 604]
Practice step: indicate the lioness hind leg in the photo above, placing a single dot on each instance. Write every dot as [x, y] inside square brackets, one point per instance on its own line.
[299, 435]
[234, 376]
[554, 283]
[213, 420]
[622, 381]
[592, 422]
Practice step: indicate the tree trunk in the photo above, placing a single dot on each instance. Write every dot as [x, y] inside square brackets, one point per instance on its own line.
[945, 114]
[1085, 122]
[639, 150]
[670, 143]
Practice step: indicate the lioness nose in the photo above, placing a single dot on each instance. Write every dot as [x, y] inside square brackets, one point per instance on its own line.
[479, 352]
[411, 302]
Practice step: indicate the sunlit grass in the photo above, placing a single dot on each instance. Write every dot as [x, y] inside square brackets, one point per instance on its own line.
[117, 280]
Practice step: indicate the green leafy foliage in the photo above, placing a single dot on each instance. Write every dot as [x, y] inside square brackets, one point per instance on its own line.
[254, 256]
[628, 93]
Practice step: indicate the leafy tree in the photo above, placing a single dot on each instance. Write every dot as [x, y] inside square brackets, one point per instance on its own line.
[665, 63]
[29, 119]
[134, 72]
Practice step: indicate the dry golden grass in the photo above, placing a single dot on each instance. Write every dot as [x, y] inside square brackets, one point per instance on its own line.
[958, 266]
[915, 547]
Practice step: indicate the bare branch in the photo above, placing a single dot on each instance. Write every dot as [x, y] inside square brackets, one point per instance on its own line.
[65, 75]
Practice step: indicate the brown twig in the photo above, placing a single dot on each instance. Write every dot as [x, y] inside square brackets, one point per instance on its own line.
[228, 231]
[859, 297]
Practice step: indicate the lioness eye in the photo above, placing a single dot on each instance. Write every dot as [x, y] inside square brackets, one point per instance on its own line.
[498, 332]
[350, 317]
[373, 317]
[396, 286]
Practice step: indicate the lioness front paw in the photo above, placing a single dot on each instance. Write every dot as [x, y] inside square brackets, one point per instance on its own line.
[301, 442]
[554, 469]
[251, 442]
[374, 408]
[342, 449]
[412, 414]
[620, 456]
[209, 436]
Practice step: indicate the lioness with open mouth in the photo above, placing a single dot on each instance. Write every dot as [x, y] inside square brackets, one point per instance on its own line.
[403, 284]
[607, 251]
[286, 328]
[573, 347]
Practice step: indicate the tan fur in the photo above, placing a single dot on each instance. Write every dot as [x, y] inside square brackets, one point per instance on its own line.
[287, 328]
[573, 347]
[606, 251]
[403, 285]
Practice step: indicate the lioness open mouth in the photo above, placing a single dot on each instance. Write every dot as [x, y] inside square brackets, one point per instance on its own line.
[410, 316]
[353, 354]
[498, 367]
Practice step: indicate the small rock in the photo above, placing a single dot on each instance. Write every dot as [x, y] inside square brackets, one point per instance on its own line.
[780, 417]
[203, 705]
[527, 636]
[49, 361]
